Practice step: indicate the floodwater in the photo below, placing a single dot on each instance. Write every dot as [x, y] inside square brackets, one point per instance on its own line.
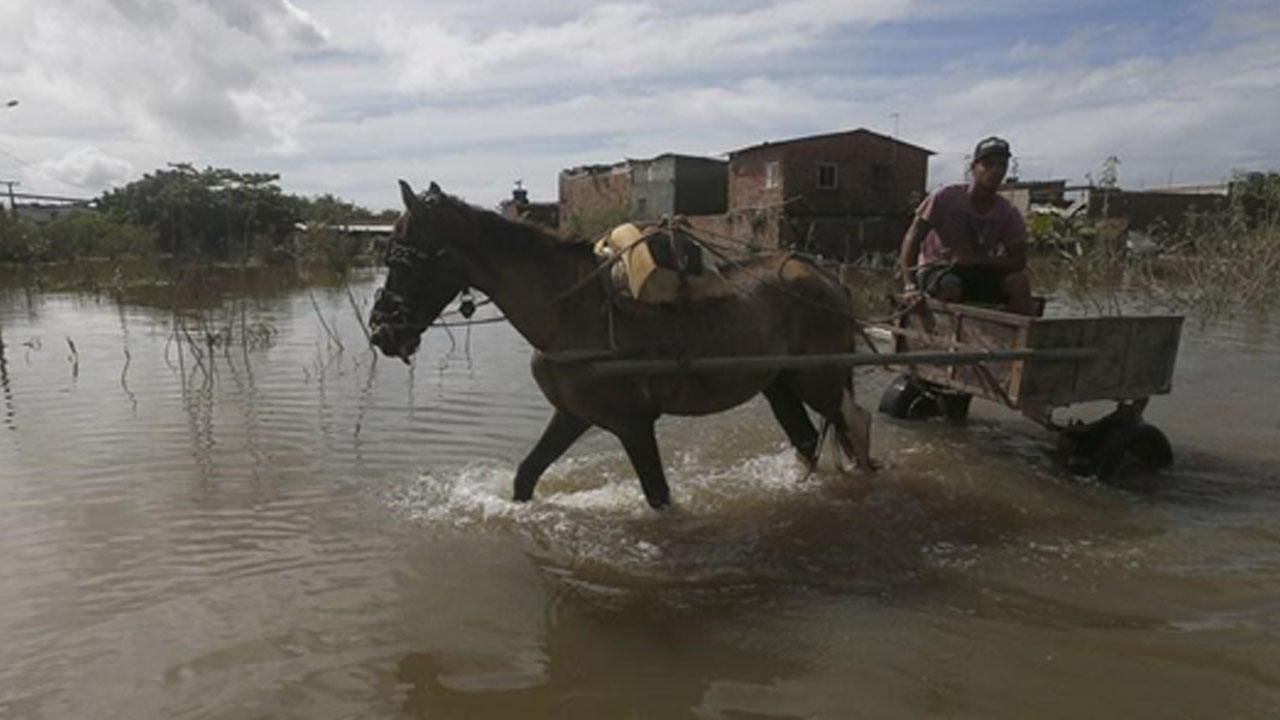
[257, 520]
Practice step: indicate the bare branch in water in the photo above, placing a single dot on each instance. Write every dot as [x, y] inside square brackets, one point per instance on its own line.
[360, 319]
[325, 325]
[124, 382]
[73, 358]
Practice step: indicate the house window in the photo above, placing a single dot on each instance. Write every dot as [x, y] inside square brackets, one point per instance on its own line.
[828, 177]
[772, 174]
[642, 207]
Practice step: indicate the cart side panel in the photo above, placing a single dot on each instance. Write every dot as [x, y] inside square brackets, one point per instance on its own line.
[942, 328]
[1103, 376]
[1153, 348]
[1046, 382]
[1135, 359]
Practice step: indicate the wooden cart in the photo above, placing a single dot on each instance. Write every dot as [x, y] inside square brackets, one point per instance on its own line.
[949, 353]
[1125, 359]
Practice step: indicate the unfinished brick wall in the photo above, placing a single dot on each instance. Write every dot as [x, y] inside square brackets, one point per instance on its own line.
[593, 197]
[740, 233]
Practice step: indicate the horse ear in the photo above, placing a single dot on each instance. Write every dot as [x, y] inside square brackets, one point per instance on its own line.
[406, 195]
[412, 202]
[434, 189]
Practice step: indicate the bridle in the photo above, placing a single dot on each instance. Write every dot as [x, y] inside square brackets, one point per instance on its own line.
[396, 310]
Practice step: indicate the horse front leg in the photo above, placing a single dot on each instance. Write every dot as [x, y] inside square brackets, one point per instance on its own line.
[794, 419]
[642, 447]
[560, 433]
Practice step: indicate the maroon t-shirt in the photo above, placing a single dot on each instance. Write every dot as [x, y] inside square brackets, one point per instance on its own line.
[960, 233]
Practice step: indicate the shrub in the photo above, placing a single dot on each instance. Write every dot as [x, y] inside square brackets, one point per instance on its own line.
[72, 237]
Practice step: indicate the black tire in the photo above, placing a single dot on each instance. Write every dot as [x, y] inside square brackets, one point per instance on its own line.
[955, 406]
[905, 399]
[1130, 456]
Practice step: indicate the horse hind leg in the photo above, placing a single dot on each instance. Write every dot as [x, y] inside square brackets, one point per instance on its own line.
[830, 394]
[857, 431]
[563, 430]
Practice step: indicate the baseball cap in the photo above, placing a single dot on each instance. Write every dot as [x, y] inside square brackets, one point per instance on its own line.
[991, 146]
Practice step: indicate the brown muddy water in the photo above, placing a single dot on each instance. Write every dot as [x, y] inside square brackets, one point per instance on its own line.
[283, 528]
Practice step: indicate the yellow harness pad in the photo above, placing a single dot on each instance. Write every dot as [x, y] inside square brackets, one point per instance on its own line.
[637, 273]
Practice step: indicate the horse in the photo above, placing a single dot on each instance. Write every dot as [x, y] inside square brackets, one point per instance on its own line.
[553, 293]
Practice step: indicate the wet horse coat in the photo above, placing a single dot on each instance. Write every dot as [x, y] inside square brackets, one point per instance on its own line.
[550, 291]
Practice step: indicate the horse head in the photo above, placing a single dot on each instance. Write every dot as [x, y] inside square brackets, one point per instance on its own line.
[422, 275]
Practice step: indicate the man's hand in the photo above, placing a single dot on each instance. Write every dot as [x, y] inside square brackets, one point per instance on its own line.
[910, 295]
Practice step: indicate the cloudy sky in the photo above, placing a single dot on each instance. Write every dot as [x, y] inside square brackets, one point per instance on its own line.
[346, 97]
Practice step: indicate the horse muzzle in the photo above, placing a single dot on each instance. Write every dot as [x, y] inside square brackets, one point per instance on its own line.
[394, 342]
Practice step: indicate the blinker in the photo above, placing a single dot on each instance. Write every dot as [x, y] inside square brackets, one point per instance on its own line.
[468, 305]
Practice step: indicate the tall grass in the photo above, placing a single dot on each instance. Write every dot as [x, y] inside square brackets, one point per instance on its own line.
[1218, 264]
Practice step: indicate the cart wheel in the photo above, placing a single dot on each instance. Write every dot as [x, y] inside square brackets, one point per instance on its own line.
[1071, 453]
[905, 399]
[1130, 455]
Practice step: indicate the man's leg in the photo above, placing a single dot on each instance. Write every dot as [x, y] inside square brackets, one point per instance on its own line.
[942, 283]
[1017, 287]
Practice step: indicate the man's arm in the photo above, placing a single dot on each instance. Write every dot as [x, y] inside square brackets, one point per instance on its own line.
[910, 252]
[1015, 245]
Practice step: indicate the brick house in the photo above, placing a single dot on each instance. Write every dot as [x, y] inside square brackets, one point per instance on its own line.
[839, 194]
[595, 197]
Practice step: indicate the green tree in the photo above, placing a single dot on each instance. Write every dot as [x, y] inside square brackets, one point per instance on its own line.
[214, 212]
[1110, 177]
[328, 209]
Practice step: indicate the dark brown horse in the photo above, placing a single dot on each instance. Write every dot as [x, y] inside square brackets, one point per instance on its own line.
[549, 290]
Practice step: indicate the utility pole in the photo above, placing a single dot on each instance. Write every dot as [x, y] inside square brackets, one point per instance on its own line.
[893, 159]
[13, 206]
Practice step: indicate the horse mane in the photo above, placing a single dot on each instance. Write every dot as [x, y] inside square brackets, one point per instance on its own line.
[519, 233]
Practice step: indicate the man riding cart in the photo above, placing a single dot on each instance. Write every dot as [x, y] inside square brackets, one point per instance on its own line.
[967, 242]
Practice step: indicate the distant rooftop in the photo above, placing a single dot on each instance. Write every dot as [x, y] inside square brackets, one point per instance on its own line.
[600, 168]
[823, 136]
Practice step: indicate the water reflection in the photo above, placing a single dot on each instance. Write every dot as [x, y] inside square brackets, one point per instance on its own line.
[6, 385]
[590, 663]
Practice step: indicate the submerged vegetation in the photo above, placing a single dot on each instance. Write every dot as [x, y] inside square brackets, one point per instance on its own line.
[1223, 263]
[73, 237]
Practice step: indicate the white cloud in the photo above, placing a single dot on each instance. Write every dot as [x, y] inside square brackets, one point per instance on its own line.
[87, 169]
[611, 42]
[168, 71]
[1194, 117]
[477, 93]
